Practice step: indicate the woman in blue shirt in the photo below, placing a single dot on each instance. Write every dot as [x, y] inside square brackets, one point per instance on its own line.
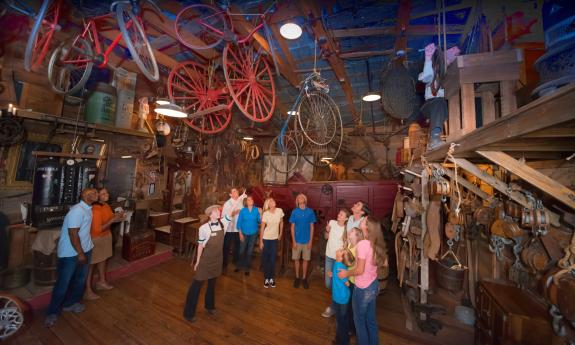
[248, 223]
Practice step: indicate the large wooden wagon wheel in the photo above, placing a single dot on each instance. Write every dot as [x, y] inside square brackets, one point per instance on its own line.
[250, 82]
[197, 88]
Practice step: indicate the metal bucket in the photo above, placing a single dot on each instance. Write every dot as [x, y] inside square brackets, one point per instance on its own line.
[448, 276]
[45, 273]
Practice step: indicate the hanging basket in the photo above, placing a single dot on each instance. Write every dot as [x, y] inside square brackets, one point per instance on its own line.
[398, 92]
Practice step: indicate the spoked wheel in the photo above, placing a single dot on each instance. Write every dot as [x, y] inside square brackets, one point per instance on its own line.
[283, 158]
[136, 41]
[201, 26]
[195, 88]
[249, 80]
[70, 66]
[11, 316]
[323, 155]
[46, 22]
[318, 117]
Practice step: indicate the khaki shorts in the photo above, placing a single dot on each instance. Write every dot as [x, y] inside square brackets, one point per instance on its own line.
[301, 251]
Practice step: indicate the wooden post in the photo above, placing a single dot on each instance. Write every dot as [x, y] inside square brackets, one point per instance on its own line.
[424, 266]
[487, 107]
[454, 105]
[508, 101]
[468, 107]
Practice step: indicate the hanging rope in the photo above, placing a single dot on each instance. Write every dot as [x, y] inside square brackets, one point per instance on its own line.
[450, 157]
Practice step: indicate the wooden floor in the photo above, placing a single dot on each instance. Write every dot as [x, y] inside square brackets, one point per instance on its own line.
[146, 308]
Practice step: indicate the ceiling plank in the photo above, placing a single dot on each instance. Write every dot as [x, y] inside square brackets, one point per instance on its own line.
[457, 7]
[244, 28]
[532, 176]
[415, 30]
[330, 46]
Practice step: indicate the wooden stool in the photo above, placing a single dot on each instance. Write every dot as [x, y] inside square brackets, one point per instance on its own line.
[501, 69]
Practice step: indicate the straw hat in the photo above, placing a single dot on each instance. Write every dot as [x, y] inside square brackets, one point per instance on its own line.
[209, 209]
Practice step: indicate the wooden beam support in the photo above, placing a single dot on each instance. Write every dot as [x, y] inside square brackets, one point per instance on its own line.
[501, 186]
[244, 28]
[462, 5]
[557, 107]
[401, 28]
[361, 54]
[284, 47]
[464, 182]
[413, 30]
[532, 176]
[330, 46]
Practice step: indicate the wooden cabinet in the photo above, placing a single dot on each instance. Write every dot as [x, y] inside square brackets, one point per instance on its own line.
[509, 315]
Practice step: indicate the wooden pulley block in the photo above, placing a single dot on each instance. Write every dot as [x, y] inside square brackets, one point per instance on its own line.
[512, 229]
[527, 218]
[450, 231]
[499, 212]
[456, 219]
[440, 187]
[535, 257]
[497, 228]
[483, 216]
[513, 209]
[540, 217]
[566, 297]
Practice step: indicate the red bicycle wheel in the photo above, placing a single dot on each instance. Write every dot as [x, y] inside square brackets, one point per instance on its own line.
[201, 26]
[250, 82]
[45, 24]
[194, 88]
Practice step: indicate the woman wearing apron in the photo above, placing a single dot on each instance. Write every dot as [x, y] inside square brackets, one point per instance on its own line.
[208, 263]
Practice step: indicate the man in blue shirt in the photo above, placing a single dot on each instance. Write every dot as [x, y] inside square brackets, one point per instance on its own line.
[302, 220]
[248, 224]
[74, 253]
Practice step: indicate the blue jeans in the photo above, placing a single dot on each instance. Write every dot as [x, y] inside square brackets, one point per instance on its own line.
[364, 314]
[342, 325]
[328, 268]
[70, 284]
[269, 255]
[246, 251]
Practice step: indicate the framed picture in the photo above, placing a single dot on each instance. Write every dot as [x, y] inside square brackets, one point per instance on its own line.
[21, 162]
[92, 147]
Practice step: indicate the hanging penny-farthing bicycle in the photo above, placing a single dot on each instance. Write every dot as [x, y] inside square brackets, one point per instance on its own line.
[248, 77]
[316, 135]
[45, 24]
[71, 63]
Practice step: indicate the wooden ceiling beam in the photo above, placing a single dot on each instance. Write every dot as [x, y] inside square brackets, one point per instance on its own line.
[244, 28]
[532, 176]
[330, 46]
[464, 4]
[415, 30]
[402, 26]
[283, 46]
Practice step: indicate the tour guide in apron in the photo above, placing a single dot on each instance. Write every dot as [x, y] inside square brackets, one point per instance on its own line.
[208, 263]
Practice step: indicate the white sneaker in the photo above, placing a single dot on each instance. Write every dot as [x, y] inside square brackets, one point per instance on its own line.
[328, 312]
[267, 283]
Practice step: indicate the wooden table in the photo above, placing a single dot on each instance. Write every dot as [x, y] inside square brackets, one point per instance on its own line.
[178, 232]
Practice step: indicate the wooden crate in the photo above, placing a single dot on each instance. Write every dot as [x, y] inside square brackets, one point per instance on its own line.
[41, 99]
[137, 245]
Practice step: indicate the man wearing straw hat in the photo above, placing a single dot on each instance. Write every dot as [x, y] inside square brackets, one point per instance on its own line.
[208, 264]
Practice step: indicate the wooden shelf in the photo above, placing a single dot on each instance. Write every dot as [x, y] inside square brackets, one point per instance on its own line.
[544, 125]
[32, 115]
[66, 155]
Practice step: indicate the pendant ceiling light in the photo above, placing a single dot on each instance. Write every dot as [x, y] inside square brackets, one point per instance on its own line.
[290, 31]
[371, 97]
[170, 110]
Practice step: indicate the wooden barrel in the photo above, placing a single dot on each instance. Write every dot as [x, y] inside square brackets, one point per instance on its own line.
[447, 277]
[45, 269]
[13, 278]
